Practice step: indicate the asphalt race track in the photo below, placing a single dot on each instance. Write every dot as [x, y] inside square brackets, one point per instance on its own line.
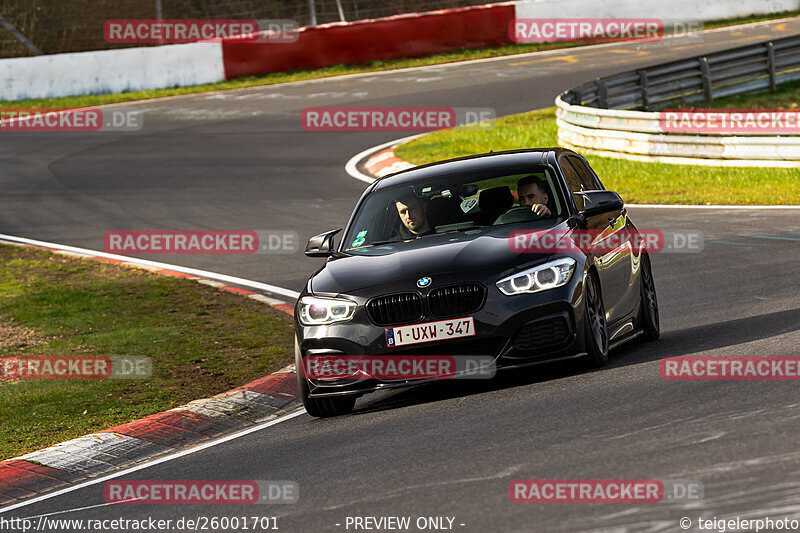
[240, 160]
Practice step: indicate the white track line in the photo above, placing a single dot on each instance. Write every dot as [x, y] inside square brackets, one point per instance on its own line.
[78, 509]
[155, 264]
[165, 459]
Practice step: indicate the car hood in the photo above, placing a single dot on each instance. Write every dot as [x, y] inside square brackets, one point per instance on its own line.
[485, 251]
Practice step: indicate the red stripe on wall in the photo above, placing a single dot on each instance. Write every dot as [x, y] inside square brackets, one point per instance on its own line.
[409, 35]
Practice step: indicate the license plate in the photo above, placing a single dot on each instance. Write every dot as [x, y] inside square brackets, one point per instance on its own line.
[430, 331]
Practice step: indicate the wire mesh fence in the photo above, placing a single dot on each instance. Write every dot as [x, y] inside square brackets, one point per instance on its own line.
[57, 26]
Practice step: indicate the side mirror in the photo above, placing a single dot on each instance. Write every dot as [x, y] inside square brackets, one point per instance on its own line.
[321, 245]
[599, 202]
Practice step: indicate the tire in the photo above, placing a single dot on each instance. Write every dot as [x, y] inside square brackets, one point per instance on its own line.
[595, 330]
[320, 407]
[648, 315]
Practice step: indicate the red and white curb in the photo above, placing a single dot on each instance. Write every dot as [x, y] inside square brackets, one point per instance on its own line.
[195, 423]
[378, 159]
[385, 163]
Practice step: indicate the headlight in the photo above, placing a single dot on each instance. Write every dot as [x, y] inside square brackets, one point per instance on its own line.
[320, 311]
[539, 278]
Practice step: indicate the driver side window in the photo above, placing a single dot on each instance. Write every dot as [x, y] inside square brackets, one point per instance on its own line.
[574, 182]
[588, 177]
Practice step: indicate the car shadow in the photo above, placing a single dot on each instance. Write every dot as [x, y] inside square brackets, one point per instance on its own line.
[673, 343]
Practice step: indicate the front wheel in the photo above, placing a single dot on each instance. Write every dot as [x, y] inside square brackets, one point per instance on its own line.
[320, 407]
[649, 305]
[595, 330]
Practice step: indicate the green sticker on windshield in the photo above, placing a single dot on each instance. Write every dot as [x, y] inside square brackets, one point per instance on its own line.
[360, 238]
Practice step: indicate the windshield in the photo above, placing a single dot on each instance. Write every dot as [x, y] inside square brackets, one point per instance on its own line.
[455, 203]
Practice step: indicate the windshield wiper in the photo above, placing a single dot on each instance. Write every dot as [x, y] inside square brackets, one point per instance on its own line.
[379, 243]
[465, 228]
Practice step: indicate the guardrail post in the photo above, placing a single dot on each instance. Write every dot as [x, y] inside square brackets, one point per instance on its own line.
[771, 66]
[602, 93]
[312, 12]
[643, 86]
[705, 74]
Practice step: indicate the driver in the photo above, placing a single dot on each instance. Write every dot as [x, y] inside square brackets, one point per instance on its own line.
[532, 192]
[413, 212]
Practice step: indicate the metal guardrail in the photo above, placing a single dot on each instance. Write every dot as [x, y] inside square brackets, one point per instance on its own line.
[739, 70]
[614, 116]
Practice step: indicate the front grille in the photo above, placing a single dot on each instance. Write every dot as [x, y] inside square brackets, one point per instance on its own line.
[395, 309]
[456, 299]
[542, 333]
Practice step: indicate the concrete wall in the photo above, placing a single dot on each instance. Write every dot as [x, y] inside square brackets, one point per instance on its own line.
[414, 34]
[111, 71]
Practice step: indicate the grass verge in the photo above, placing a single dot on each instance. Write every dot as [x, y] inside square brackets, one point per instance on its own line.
[202, 341]
[336, 70]
[645, 183]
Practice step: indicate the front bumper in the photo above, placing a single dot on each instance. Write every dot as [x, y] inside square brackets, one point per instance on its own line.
[516, 331]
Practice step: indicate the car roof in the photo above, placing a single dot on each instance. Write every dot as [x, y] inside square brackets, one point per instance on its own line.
[490, 160]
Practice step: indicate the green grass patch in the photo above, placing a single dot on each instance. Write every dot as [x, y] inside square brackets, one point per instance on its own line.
[636, 182]
[336, 70]
[720, 23]
[201, 341]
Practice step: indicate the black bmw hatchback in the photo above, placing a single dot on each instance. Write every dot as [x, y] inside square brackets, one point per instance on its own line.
[516, 257]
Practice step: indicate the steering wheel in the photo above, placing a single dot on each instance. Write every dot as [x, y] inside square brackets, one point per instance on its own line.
[520, 213]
